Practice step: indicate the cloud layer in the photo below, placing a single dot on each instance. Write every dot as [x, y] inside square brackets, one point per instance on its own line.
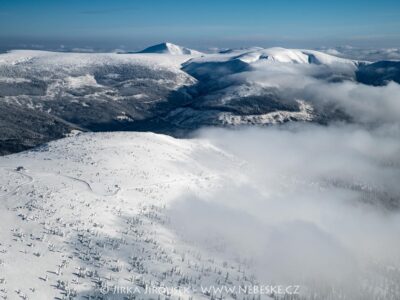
[316, 205]
[311, 205]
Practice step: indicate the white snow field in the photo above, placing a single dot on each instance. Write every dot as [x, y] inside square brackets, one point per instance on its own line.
[96, 214]
[87, 212]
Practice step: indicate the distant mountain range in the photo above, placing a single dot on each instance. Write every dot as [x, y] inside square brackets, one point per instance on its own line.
[167, 88]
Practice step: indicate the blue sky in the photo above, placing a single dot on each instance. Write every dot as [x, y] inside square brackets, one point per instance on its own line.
[134, 24]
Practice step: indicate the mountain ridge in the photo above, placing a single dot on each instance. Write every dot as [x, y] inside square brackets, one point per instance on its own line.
[167, 88]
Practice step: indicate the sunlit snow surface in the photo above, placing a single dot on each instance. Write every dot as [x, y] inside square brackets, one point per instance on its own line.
[258, 207]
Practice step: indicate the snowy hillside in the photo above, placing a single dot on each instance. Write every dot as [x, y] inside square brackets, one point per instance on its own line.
[87, 213]
[88, 217]
[84, 91]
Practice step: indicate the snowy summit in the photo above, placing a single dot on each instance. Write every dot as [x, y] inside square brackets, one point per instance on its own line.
[169, 48]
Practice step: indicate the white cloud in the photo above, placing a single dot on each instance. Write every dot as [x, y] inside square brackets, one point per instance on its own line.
[312, 205]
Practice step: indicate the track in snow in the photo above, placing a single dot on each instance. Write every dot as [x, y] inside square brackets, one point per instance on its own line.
[18, 187]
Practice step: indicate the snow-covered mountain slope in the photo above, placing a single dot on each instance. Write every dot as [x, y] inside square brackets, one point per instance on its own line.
[189, 117]
[86, 213]
[170, 90]
[92, 91]
[248, 86]
[96, 214]
[23, 128]
[279, 55]
[169, 48]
